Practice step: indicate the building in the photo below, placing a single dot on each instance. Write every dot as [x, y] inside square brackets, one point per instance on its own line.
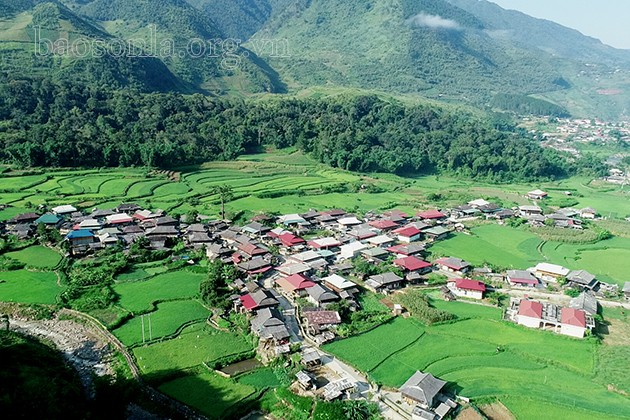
[521, 278]
[413, 264]
[259, 299]
[586, 302]
[626, 289]
[582, 279]
[530, 314]
[351, 250]
[408, 234]
[320, 296]
[437, 233]
[324, 243]
[345, 288]
[61, 210]
[573, 322]
[422, 389]
[453, 265]
[537, 195]
[295, 284]
[289, 240]
[588, 213]
[550, 272]
[317, 321]
[81, 237]
[472, 289]
[530, 211]
[383, 283]
[431, 215]
[268, 325]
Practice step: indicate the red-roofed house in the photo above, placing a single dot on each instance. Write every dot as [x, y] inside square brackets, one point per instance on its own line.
[431, 215]
[290, 240]
[530, 313]
[383, 224]
[412, 263]
[467, 288]
[295, 284]
[259, 299]
[251, 250]
[408, 234]
[573, 322]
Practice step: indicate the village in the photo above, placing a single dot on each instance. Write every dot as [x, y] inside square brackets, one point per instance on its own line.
[296, 268]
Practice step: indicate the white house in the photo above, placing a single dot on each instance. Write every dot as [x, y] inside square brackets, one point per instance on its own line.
[550, 272]
[573, 322]
[530, 314]
[351, 250]
[467, 288]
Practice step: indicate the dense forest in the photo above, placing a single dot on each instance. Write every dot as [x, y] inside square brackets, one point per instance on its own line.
[63, 124]
[526, 105]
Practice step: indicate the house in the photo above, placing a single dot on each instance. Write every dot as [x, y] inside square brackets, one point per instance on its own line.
[503, 214]
[290, 268]
[295, 284]
[550, 272]
[320, 295]
[62, 210]
[478, 203]
[521, 278]
[537, 195]
[361, 233]
[256, 229]
[324, 243]
[89, 224]
[383, 224]
[128, 208]
[24, 218]
[316, 321]
[408, 234]
[437, 233]
[431, 215]
[49, 220]
[81, 237]
[305, 257]
[380, 241]
[530, 211]
[382, 283]
[588, 213]
[251, 250]
[340, 285]
[530, 313]
[587, 302]
[292, 219]
[338, 388]
[582, 279]
[374, 254]
[251, 267]
[199, 239]
[467, 288]
[405, 250]
[413, 264]
[118, 219]
[289, 240]
[351, 250]
[626, 289]
[422, 389]
[573, 322]
[259, 299]
[346, 222]
[310, 357]
[163, 231]
[453, 265]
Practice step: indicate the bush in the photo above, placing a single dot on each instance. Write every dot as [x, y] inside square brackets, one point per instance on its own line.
[417, 303]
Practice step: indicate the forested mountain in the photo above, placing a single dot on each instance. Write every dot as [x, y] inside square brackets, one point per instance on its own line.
[240, 19]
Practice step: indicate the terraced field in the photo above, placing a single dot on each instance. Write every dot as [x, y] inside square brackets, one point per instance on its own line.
[484, 357]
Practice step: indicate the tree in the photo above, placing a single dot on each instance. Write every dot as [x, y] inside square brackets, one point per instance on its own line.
[225, 193]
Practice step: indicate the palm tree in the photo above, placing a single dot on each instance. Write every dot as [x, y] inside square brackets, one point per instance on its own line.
[225, 193]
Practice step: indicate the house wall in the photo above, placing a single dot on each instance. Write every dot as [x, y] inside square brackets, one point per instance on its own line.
[528, 321]
[473, 294]
[572, 331]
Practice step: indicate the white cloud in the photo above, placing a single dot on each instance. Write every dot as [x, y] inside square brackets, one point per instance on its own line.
[433, 22]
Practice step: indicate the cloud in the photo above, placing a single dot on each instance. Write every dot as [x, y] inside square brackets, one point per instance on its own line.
[434, 22]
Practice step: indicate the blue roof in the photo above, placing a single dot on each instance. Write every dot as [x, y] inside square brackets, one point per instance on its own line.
[81, 233]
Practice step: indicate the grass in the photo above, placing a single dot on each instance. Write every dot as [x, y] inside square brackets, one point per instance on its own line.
[483, 357]
[36, 256]
[139, 296]
[164, 321]
[208, 392]
[29, 286]
[260, 379]
[196, 344]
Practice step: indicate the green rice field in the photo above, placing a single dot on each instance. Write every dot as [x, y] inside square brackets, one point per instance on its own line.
[139, 296]
[483, 357]
[166, 320]
[196, 344]
[36, 256]
[29, 286]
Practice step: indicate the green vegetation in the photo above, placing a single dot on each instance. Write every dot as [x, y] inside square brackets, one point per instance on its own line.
[29, 286]
[487, 358]
[418, 305]
[260, 379]
[526, 105]
[208, 392]
[36, 257]
[165, 321]
[196, 344]
[139, 296]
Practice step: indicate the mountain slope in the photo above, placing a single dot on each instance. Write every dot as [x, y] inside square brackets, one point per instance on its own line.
[542, 34]
[240, 19]
[185, 40]
[425, 46]
[27, 30]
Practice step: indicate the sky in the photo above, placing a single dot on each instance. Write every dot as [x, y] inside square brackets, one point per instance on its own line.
[607, 20]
